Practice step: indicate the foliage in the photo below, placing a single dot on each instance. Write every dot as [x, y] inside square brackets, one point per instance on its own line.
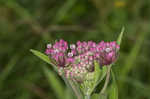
[31, 24]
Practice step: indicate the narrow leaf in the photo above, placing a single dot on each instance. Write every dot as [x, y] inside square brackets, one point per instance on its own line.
[120, 36]
[8, 69]
[113, 91]
[99, 75]
[97, 71]
[103, 74]
[43, 57]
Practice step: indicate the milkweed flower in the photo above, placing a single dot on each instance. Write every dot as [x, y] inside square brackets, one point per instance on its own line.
[76, 60]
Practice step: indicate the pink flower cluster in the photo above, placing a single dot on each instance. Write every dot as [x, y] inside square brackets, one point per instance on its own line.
[78, 59]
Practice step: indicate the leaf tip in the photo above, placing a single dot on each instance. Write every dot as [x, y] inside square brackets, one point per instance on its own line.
[120, 35]
[31, 50]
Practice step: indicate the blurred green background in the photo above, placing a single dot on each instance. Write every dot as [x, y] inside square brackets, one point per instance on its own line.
[31, 24]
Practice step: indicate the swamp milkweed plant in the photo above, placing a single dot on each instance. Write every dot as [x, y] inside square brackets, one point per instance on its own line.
[84, 65]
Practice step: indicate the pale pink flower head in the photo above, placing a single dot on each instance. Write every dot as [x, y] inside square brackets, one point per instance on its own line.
[78, 59]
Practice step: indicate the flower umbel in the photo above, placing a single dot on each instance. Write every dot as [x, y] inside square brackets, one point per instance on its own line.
[77, 60]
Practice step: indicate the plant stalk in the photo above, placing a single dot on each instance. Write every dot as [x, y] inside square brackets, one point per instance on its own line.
[87, 97]
[107, 80]
[75, 90]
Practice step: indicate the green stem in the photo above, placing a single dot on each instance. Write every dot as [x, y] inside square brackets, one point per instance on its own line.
[107, 80]
[87, 97]
[77, 93]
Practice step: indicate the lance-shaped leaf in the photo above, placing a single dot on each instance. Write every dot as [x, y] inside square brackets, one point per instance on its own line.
[52, 78]
[120, 36]
[97, 71]
[108, 72]
[44, 58]
[113, 91]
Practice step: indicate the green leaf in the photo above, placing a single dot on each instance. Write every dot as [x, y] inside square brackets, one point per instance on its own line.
[43, 57]
[93, 79]
[120, 36]
[55, 83]
[113, 91]
[97, 72]
[100, 73]
[103, 74]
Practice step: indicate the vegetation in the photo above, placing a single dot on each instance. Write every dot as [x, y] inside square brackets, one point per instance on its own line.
[31, 24]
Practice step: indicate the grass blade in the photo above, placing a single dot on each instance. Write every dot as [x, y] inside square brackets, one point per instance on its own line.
[7, 71]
